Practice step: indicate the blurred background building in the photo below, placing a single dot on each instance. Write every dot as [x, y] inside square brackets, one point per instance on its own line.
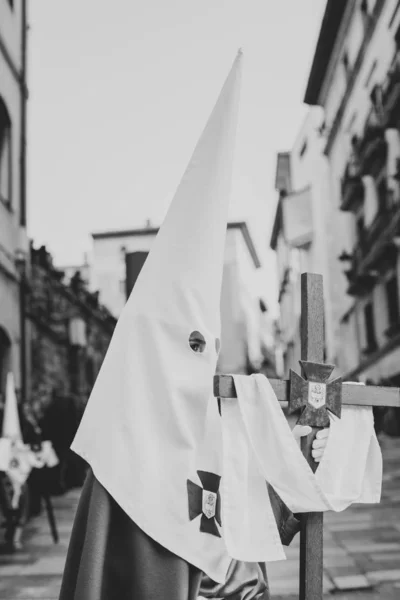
[350, 192]
[53, 333]
[354, 80]
[13, 237]
[69, 333]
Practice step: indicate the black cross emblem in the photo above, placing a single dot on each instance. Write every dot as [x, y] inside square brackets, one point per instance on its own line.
[205, 501]
[315, 395]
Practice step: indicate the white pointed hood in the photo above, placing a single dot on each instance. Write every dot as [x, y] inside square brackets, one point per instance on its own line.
[11, 424]
[145, 429]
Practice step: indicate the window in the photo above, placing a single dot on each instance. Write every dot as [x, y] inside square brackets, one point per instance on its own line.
[263, 306]
[370, 73]
[383, 195]
[392, 299]
[394, 14]
[376, 96]
[351, 122]
[370, 327]
[5, 155]
[365, 12]
[397, 38]
[303, 149]
[360, 228]
[377, 102]
[346, 65]
[5, 352]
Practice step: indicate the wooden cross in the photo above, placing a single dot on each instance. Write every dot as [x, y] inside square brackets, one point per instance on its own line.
[315, 395]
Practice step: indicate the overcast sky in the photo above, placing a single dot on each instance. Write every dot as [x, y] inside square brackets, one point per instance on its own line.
[120, 92]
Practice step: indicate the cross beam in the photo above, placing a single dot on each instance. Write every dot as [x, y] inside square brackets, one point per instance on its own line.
[224, 387]
[317, 395]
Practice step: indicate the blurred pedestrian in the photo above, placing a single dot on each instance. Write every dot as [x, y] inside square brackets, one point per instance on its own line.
[59, 424]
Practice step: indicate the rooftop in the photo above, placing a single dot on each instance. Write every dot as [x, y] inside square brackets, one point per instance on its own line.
[123, 233]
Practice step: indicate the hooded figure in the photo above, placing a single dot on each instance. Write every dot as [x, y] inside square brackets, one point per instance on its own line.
[17, 459]
[20, 461]
[15, 467]
[148, 525]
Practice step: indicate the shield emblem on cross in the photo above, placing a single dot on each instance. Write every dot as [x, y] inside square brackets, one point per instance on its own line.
[209, 504]
[315, 395]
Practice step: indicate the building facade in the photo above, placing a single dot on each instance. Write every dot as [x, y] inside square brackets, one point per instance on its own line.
[118, 257]
[13, 238]
[69, 334]
[355, 78]
[299, 233]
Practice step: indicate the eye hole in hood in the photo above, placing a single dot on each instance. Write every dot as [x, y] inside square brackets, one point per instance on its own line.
[197, 342]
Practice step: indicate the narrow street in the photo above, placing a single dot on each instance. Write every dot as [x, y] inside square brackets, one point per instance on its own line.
[36, 571]
[361, 554]
[361, 545]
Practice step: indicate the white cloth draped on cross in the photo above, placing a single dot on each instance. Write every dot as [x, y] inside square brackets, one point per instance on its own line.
[258, 446]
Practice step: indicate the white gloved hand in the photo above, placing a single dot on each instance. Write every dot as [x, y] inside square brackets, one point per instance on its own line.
[319, 444]
[300, 431]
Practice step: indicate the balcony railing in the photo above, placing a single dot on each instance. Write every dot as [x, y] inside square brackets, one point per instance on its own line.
[391, 96]
[373, 250]
[368, 157]
[352, 188]
[360, 284]
[372, 150]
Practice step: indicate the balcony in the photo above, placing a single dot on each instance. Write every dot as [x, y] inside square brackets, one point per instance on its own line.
[391, 96]
[393, 330]
[352, 188]
[368, 157]
[284, 283]
[372, 150]
[360, 284]
[375, 251]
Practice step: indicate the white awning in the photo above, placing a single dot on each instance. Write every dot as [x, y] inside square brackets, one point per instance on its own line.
[297, 218]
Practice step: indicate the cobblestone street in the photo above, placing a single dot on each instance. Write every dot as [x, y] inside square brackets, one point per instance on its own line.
[361, 554]
[361, 545]
[36, 572]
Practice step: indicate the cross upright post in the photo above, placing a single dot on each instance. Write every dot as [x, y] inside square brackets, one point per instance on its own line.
[312, 349]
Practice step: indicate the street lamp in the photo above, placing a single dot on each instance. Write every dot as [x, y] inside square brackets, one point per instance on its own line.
[77, 331]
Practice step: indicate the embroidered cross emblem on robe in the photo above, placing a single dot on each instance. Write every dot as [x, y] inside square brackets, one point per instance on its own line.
[315, 395]
[205, 501]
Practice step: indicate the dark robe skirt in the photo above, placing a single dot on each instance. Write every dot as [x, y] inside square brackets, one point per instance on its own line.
[110, 558]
